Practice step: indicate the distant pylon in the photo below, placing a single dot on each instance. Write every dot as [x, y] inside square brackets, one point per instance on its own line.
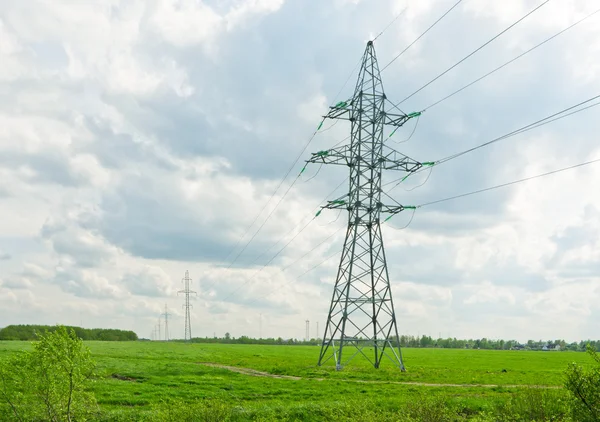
[361, 319]
[166, 315]
[188, 323]
[307, 330]
[158, 327]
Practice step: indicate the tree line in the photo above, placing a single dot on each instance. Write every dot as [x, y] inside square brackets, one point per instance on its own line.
[423, 342]
[31, 332]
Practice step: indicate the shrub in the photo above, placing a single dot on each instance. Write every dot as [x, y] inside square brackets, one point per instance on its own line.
[584, 386]
[48, 383]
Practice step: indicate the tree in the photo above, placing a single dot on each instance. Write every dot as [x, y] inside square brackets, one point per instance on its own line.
[584, 386]
[49, 382]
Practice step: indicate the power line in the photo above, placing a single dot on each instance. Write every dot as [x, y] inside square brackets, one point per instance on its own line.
[390, 24]
[472, 53]
[313, 249]
[279, 186]
[541, 122]
[420, 36]
[511, 61]
[528, 127]
[297, 278]
[293, 165]
[270, 260]
[509, 183]
[311, 215]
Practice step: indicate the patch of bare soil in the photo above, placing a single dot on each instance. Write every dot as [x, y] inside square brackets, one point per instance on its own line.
[123, 377]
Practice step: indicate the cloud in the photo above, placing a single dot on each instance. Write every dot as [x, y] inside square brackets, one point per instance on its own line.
[86, 284]
[149, 281]
[16, 283]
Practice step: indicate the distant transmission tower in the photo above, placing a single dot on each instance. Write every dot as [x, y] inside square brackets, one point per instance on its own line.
[158, 326]
[166, 315]
[307, 336]
[361, 316]
[188, 323]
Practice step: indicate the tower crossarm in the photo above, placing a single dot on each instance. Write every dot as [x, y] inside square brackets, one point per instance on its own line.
[395, 209]
[397, 120]
[342, 110]
[343, 204]
[340, 155]
[394, 160]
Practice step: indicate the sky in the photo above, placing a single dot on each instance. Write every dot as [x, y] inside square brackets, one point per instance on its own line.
[140, 139]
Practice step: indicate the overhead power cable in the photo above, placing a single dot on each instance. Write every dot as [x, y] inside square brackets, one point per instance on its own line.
[541, 122]
[536, 124]
[473, 52]
[390, 24]
[270, 260]
[420, 36]
[314, 267]
[514, 182]
[312, 217]
[511, 61]
[291, 168]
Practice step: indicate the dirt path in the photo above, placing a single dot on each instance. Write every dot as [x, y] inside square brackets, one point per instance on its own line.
[255, 373]
[249, 371]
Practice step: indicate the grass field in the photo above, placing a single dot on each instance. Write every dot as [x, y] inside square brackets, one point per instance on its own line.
[135, 377]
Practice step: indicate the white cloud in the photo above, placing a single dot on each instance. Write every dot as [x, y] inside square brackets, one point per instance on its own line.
[149, 281]
[488, 293]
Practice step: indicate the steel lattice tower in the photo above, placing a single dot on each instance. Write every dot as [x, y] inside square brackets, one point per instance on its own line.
[166, 315]
[188, 323]
[361, 315]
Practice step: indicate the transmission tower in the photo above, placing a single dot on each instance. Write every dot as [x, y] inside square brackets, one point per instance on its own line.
[166, 315]
[158, 326]
[188, 323]
[361, 316]
[307, 336]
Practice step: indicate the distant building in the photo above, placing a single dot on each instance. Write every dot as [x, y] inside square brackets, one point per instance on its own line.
[551, 346]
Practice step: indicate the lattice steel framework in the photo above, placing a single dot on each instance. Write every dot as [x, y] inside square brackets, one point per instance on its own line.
[361, 315]
[166, 315]
[188, 323]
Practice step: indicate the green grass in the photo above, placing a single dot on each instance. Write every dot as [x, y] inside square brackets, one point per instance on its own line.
[135, 376]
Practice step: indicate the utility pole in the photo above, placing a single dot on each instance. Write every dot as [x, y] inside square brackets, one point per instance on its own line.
[361, 315]
[307, 330]
[259, 326]
[166, 315]
[188, 323]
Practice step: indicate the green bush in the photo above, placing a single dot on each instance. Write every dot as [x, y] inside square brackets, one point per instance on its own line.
[48, 383]
[584, 386]
[535, 405]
